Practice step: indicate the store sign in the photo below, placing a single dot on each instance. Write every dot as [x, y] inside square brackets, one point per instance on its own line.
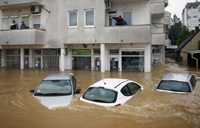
[49, 52]
[81, 52]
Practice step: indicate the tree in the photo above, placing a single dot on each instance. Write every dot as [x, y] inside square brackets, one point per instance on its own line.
[175, 29]
[184, 34]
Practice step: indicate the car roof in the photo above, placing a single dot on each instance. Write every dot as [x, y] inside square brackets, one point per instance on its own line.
[110, 83]
[58, 76]
[177, 76]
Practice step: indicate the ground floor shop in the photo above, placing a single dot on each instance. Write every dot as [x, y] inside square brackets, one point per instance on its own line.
[109, 57]
[98, 57]
[30, 58]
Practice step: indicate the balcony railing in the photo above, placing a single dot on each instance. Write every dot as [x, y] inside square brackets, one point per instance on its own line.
[158, 39]
[115, 34]
[157, 9]
[22, 37]
[9, 4]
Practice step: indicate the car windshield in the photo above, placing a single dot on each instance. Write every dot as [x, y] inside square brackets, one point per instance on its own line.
[54, 88]
[100, 95]
[174, 86]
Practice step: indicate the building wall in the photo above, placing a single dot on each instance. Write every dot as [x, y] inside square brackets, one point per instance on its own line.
[191, 15]
[191, 46]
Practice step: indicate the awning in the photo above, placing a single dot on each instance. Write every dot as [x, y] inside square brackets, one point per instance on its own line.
[193, 52]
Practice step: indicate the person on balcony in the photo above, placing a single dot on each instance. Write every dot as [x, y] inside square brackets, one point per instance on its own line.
[23, 25]
[119, 20]
[13, 25]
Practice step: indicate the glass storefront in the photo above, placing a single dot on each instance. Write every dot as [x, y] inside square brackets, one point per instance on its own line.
[26, 58]
[81, 63]
[51, 58]
[81, 59]
[133, 60]
[13, 58]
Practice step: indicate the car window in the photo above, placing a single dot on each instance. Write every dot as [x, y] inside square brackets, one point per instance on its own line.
[54, 88]
[133, 88]
[174, 86]
[100, 95]
[125, 91]
[193, 81]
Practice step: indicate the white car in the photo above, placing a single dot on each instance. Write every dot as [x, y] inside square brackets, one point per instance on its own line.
[111, 92]
[177, 83]
[56, 90]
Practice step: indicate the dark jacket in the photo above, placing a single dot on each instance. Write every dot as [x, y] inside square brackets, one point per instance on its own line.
[119, 21]
[14, 26]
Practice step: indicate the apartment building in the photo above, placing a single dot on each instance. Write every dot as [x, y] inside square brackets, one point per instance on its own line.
[79, 34]
[191, 15]
[160, 24]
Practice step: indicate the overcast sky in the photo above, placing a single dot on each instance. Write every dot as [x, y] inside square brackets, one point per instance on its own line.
[176, 6]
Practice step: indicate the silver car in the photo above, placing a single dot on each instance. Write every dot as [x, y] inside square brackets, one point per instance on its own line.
[56, 90]
[177, 82]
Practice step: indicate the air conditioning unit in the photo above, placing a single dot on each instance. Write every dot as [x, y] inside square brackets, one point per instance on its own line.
[108, 4]
[35, 9]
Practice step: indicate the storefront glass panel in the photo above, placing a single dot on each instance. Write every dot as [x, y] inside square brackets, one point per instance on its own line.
[81, 63]
[114, 63]
[13, 58]
[51, 59]
[133, 63]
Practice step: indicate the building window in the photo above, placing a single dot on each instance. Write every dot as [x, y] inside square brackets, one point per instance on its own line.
[36, 21]
[73, 20]
[127, 16]
[194, 16]
[89, 18]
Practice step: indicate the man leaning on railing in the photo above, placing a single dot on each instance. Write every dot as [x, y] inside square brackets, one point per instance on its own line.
[13, 25]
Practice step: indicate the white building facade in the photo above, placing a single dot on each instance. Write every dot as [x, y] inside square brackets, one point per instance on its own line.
[191, 15]
[79, 34]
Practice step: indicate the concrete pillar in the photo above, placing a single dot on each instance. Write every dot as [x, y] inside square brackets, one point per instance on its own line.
[21, 58]
[62, 60]
[69, 59]
[103, 50]
[147, 57]
[3, 58]
[120, 61]
[30, 58]
[92, 61]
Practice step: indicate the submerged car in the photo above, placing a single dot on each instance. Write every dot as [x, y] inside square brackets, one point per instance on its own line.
[56, 90]
[177, 82]
[111, 92]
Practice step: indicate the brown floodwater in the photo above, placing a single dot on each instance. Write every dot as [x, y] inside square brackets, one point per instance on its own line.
[146, 109]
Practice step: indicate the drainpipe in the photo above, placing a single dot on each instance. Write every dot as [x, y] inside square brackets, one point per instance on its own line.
[197, 61]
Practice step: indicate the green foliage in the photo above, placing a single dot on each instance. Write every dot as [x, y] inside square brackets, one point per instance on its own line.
[184, 34]
[175, 29]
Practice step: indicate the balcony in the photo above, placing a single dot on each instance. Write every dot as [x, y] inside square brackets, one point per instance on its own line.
[158, 39]
[115, 34]
[157, 9]
[22, 37]
[11, 4]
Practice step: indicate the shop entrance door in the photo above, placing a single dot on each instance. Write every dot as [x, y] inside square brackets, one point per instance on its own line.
[26, 62]
[114, 63]
[97, 64]
[37, 62]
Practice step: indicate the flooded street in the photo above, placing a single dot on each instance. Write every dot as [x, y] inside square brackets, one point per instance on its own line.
[146, 109]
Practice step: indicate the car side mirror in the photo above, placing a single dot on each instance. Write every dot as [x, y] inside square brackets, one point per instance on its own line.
[78, 91]
[31, 91]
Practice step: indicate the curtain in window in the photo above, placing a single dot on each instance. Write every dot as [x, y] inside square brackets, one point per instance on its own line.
[73, 19]
[90, 18]
[127, 16]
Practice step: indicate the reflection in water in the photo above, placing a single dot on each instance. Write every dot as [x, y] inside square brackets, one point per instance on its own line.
[18, 108]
